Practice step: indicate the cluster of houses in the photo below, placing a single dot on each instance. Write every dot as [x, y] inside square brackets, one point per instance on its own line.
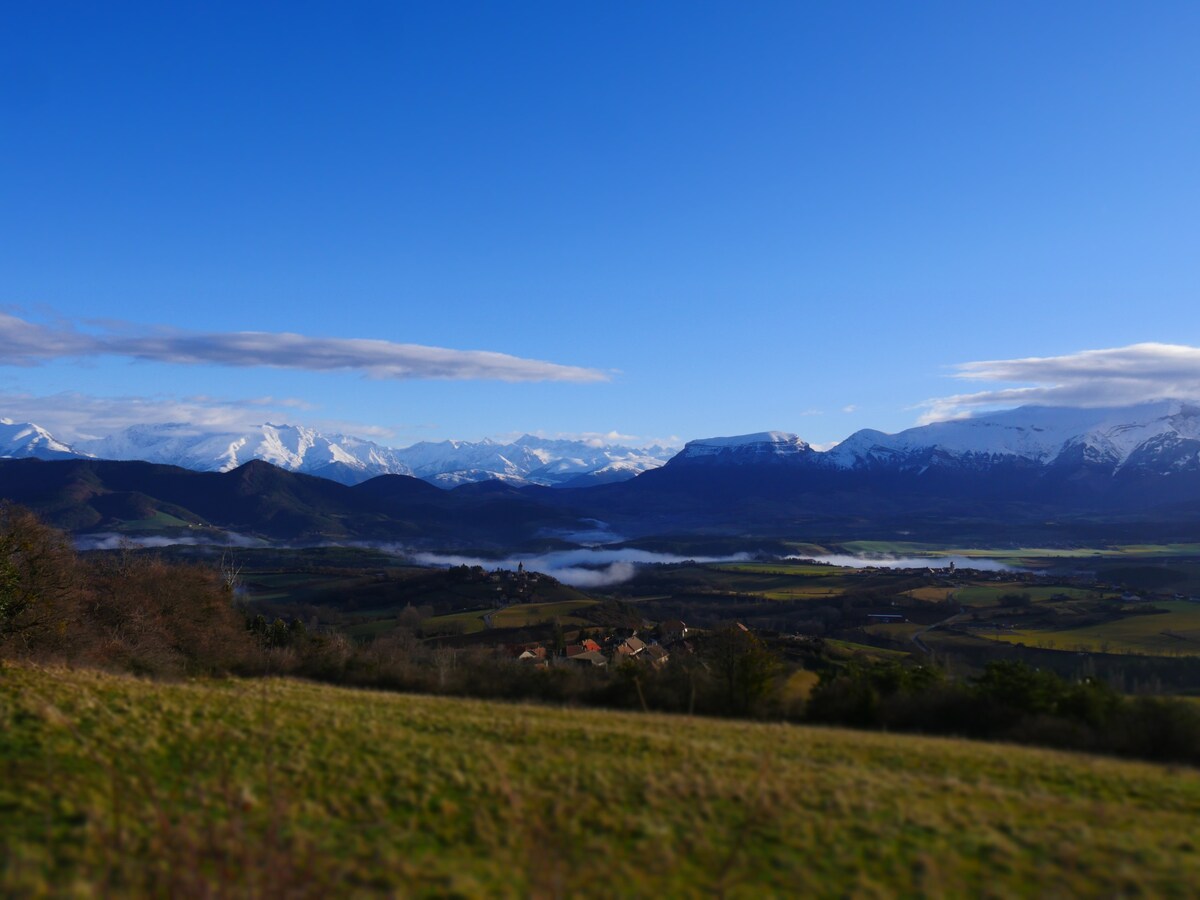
[653, 647]
[507, 585]
[514, 587]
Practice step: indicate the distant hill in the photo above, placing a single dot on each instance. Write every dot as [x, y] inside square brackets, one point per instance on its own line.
[260, 499]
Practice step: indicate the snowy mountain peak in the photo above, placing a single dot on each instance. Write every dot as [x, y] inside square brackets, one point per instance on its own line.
[350, 460]
[22, 440]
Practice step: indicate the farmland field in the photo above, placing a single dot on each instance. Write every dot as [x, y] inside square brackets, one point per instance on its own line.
[114, 785]
[516, 616]
[1173, 633]
[532, 613]
[990, 594]
[905, 548]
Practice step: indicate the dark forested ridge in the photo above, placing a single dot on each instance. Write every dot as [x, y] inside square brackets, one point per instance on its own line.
[998, 502]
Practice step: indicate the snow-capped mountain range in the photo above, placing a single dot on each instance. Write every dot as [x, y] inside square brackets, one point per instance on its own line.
[1164, 435]
[350, 460]
[1160, 437]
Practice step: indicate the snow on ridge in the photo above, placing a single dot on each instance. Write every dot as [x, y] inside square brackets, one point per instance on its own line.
[1146, 433]
[745, 447]
[761, 437]
[351, 460]
[1040, 434]
[24, 440]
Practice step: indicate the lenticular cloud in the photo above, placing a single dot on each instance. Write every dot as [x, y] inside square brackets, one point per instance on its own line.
[29, 343]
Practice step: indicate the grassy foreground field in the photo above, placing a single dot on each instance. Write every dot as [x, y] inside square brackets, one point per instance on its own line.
[111, 785]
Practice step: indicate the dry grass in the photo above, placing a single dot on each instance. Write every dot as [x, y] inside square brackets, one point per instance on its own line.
[113, 785]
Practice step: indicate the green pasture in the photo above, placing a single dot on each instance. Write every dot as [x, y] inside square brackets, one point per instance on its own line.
[523, 614]
[160, 521]
[115, 786]
[990, 594]
[801, 593]
[852, 649]
[801, 548]
[905, 548]
[469, 622]
[519, 615]
[1173, 633]
[776, 581]
[932, 593]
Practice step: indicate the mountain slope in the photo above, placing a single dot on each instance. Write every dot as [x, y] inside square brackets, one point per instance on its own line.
[1061, 473]
[1038, 434]
[264, 500]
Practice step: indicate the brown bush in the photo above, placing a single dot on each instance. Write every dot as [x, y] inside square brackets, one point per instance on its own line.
[40, 586]
[159, 618]
[130, 612]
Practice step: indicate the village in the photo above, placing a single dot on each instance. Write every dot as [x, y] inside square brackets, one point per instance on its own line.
[595, 648]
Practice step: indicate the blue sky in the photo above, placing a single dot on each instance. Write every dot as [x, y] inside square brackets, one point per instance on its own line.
[707, 218]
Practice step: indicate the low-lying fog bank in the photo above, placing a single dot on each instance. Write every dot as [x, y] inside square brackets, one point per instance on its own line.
[586, 567]
[110, 540]
[910, 562]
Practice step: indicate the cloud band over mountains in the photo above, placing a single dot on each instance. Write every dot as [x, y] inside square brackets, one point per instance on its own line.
[26, 343]
[1115, 377]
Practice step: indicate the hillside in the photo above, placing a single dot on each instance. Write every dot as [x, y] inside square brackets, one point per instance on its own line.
[116, 785]
[103, 496]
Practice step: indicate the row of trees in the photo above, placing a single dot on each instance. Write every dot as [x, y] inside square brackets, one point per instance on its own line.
[1009, 701]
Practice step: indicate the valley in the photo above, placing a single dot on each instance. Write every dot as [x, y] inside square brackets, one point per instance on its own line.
[1129, 615]
[1030, 593]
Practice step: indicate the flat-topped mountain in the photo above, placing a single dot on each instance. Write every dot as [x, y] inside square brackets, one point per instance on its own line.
[747, 449]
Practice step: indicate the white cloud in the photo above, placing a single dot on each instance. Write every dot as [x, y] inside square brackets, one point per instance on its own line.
[24, 343]
[850, 408]
[1115, 377]
[73, 416]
